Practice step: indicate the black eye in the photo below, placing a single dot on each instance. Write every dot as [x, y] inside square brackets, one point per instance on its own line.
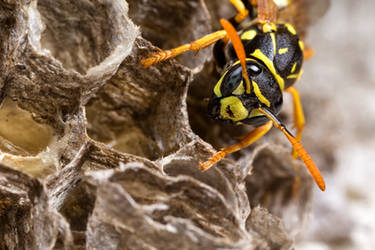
[234, 78]
[254, 69]
[231, 80]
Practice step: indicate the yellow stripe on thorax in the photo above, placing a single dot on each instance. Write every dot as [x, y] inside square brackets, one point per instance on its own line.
[259, 94]
[290, 28]
[273, 38]
[259, 54]
[268, 27]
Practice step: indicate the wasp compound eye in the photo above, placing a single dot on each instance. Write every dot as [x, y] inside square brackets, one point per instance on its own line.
[231, 80]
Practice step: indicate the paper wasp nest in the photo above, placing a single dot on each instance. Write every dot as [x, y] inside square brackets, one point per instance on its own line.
[98, 152]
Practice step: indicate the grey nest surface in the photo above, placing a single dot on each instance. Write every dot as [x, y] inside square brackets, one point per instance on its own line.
[98, 152]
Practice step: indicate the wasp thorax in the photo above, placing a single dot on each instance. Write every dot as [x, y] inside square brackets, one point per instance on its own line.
[233, 102]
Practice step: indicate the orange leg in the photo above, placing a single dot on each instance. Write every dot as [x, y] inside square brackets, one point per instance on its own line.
[308, 52]
[195, 45]
[299, 123]
[199, 43]
[299, 117]
[242, 11]
[246, 141]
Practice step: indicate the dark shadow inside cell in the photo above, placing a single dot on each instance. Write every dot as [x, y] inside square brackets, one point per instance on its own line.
[273, 183]
[141, 110]
[78, 40]
[119, 130]
[19, 133]
[77, 208]
[168, 24]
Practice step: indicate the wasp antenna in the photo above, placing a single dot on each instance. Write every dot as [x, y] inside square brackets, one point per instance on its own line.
[314, 171]
[238, 47]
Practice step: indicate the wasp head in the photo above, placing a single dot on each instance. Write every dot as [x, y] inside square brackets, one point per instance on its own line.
[232, 102]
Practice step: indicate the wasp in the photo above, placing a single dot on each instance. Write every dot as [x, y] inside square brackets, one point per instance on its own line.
[259, 60]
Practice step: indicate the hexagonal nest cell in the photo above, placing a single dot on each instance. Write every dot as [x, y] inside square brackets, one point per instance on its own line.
[99, 152]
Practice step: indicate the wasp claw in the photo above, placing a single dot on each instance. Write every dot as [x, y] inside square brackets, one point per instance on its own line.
[203, 166]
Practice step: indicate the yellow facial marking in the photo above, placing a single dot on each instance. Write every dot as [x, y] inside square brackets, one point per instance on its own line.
[291, 29]
[268, 27]
[248, 35]
[259, 94]
[255, 112]
[273, 38]
[217, 90]
[259, 54]
[283, 51]
[239, 90]
[301, 45]
[232, 109]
